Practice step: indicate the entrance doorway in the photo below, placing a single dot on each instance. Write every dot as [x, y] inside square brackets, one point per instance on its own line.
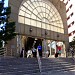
[31, 41]
[30, 45]
[47, 45]
[55, 47]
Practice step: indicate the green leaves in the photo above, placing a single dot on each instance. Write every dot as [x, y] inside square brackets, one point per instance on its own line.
[72, 44]
[7, 28]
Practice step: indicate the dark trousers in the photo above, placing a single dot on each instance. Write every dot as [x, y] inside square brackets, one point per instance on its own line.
[34, 54]
[40, 53]
[56, 55]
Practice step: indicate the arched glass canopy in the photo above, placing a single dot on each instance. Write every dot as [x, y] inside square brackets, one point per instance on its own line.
[41, 14]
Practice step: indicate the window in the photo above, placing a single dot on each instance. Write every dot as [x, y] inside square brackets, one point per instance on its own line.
[22, 13]
[23, 8]
[69, 26]
[27, 15]
[67, 10]
[70, 6]
[38, 24]
[62, 30]
[52, 28]
[35, 12]
[66, 2]
[69, 34]
[59, 29]
[25, 4]
[68, 18]
[27, 21]
[21, 19]
[33, 23]
[74, 32]
[71, 14]
[33, 16]
[55, 28]
[43, 25]
[41, 14]
[48, 27]
[73, 23]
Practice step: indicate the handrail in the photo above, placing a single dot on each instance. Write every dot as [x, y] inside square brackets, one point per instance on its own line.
[2, 51]
[39, 60]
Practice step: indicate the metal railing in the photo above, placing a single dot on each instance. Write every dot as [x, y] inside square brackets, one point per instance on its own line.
[39, 61]
[2, 51]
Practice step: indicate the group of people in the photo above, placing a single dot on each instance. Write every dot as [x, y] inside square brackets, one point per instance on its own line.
[32, 52]
[58, 51]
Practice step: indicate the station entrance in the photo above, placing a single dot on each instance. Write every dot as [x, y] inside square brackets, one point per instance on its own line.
[49, 47]
[32, 42]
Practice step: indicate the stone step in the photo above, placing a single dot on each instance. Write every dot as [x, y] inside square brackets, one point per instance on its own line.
[57, 65]
[29, 66]
[18, 66]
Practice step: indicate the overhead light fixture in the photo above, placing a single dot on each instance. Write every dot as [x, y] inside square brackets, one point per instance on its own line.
[46, 33]
[35, 38]
[30, 29]
[61, 0]
[57, 35]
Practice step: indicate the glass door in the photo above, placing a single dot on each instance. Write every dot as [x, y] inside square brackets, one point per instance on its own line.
[52, 48]
[49, 48]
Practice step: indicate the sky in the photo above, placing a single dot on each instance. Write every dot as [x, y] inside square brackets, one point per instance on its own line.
[6, 3]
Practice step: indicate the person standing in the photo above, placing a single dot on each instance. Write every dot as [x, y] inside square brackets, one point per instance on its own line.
[21, 54]
[72, 51]
[34, 52]
[29, 53]
[40, 50]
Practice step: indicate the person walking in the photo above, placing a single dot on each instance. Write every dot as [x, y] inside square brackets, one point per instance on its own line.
[72, 51]
[40, 50]
[21, 54]
[29, 53]
[34, 52]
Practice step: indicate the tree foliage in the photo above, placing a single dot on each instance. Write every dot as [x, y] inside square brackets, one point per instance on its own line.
[7, 27]
[72, 44]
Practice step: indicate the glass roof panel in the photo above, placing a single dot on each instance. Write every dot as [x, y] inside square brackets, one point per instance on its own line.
[42, 13]
[25, 4]
[33, 16]
[35, 12]
[23, 8]
[27, 15]
[21, 13]
[39, 9]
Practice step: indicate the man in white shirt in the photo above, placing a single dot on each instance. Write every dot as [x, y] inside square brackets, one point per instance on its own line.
[29, 53]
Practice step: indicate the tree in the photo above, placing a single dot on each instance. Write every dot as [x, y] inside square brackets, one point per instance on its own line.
[72, 44]
[7, 27]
